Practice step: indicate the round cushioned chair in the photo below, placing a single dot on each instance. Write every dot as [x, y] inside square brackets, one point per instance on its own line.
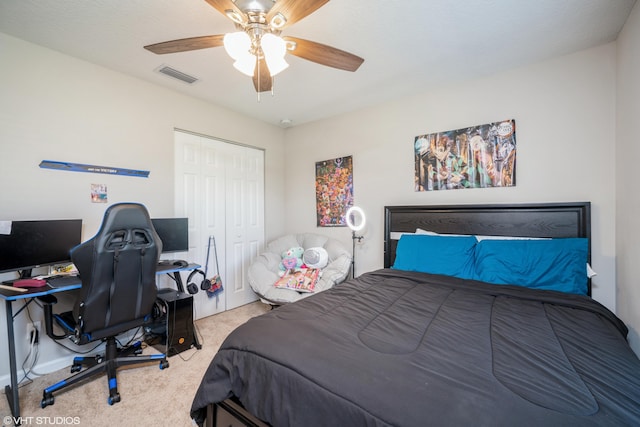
[263, 272]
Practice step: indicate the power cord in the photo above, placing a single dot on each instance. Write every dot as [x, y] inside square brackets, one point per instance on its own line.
[195, 326]
[31, 359]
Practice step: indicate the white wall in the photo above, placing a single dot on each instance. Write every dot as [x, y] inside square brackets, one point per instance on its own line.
[627, 195]
[565, 119]
[56, 107]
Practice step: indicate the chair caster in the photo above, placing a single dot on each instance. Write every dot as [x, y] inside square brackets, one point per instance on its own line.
[114, 399]
[164, 364]
[46, 401]
[76, 368]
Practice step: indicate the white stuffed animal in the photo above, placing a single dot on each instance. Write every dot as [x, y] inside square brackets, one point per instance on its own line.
[316, 257]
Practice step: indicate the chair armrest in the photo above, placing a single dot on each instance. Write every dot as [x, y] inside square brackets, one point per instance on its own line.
[47, 304]
[48, 299]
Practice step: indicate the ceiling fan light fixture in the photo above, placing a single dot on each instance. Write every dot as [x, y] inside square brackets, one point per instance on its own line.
[273, 45]
[246, 64]
[276, 65]
[274, 50]
[237, 44]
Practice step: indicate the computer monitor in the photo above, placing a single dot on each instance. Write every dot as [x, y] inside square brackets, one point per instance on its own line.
[25, 245]
[174, 233]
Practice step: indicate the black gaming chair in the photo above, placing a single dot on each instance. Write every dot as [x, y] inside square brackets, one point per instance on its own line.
[117, 268]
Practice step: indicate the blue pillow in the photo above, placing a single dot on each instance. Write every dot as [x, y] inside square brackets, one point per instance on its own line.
[557, 264]
[448, 255]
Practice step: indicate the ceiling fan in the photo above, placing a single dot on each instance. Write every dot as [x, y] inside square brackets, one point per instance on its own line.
[257, 48]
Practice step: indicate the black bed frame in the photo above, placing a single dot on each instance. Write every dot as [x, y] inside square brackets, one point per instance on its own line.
[552, 220]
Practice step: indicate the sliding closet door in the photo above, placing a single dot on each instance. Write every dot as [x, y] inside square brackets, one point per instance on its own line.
[244, 219]
[220, 188]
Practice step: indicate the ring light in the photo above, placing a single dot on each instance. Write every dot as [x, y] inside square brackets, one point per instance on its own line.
[353, 215]
[355, 221]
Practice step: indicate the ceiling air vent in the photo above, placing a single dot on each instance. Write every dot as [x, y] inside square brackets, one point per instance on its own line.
[172, 72]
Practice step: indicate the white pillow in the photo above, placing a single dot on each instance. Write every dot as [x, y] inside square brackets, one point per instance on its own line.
[396, 235]
[433, 233]
[480, 238]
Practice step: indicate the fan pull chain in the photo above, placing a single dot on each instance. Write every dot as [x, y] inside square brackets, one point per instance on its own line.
[259, 77]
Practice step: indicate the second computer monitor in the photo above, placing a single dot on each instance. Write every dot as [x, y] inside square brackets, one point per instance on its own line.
[174, 233]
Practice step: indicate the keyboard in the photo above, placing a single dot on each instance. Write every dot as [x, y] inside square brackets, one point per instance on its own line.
[178, 263]
[61, 281]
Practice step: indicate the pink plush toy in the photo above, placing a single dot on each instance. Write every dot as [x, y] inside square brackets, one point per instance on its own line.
[292, 259]
[289, 263]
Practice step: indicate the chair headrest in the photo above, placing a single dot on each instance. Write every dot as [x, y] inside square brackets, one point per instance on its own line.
[125, 216]
[127, 224]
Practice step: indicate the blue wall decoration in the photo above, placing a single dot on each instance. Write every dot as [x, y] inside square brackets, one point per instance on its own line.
[78, 167]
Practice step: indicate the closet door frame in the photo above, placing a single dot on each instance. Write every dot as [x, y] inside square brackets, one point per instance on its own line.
[219, 186]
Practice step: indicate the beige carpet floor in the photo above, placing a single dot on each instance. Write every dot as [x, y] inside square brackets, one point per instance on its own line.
[149, 396]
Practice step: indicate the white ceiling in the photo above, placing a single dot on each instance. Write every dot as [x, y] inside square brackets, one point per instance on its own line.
[409, 46]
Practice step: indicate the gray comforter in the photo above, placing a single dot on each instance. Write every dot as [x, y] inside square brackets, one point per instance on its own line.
[413, 349]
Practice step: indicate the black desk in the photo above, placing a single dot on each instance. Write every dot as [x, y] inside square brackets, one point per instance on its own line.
[174, 271]
[9, 296]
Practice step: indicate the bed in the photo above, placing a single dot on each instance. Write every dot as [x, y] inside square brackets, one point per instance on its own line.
[411, 348]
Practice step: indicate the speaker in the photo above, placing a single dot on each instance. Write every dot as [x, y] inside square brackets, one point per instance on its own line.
[172, 332]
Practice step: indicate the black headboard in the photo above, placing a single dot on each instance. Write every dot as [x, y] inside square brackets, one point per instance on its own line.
[525, 220]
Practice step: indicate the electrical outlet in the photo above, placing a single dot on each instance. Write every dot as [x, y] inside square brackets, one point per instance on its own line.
[32, 327]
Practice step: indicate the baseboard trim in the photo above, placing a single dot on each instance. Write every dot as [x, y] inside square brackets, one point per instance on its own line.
[41, 369]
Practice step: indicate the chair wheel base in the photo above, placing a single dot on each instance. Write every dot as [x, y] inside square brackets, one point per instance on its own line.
[164, 364]
[115, 398]
[46, 401]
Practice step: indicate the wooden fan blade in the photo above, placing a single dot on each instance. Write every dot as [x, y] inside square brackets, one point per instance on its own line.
[184, 45]
[261, 77]
[294, 10]
[224, 5]
[325, 55]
